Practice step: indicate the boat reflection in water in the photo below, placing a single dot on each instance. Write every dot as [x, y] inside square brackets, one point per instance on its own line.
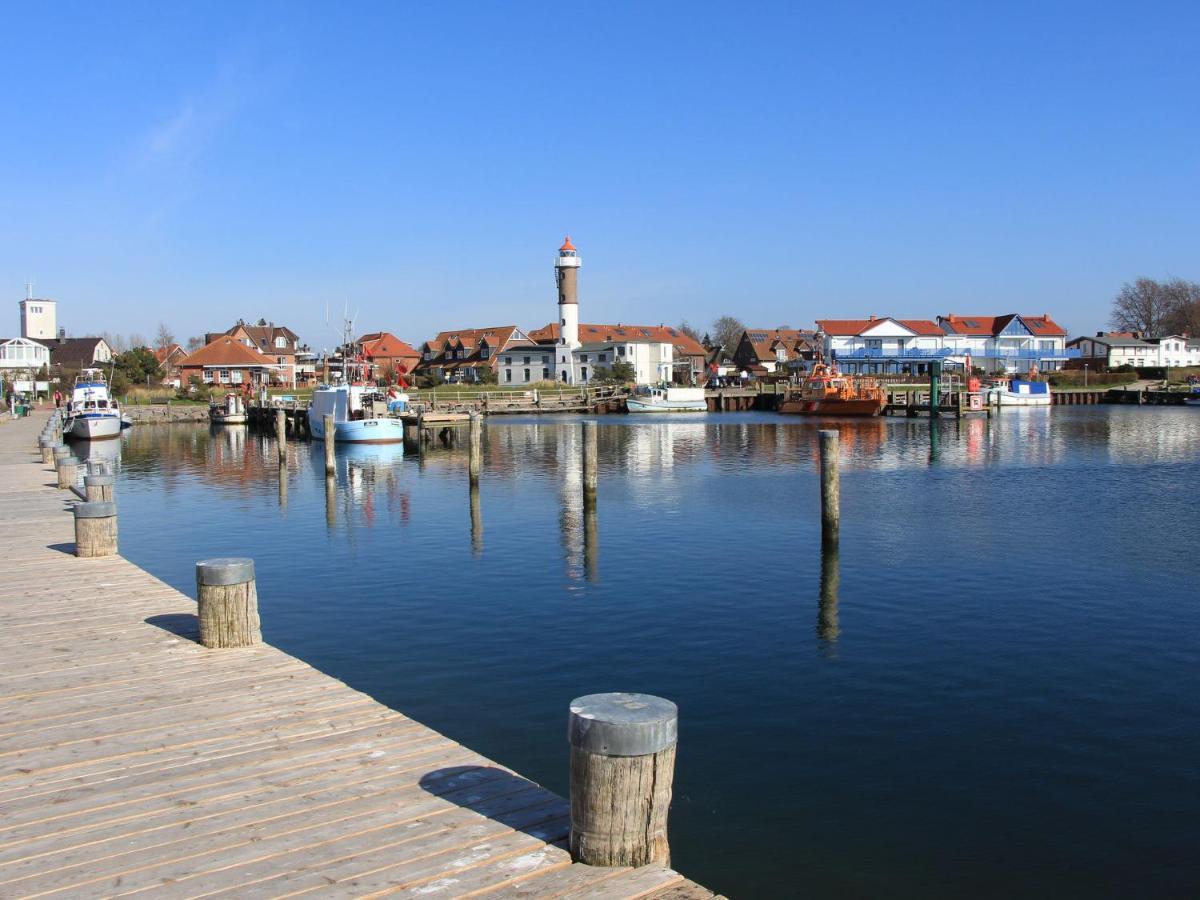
[106, 452]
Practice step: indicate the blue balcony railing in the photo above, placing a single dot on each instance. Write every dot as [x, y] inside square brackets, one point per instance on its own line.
[874, 353]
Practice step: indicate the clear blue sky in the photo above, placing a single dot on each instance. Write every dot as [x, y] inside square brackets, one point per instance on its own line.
[422, 162]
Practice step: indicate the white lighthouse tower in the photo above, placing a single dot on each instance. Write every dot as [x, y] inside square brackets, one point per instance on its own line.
[566, 276]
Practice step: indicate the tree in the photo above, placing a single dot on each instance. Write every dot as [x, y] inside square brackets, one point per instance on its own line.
[689, 331]
[137, 366]
[1183, 301]
[1140, 307]
[727, 331]
[163, 339]
[116, 342]
[621, 372]
[137, 340]
[194, 343]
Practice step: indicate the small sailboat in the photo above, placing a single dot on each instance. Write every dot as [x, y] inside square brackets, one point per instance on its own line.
[92, 415]
[229, 411]
[667, 399]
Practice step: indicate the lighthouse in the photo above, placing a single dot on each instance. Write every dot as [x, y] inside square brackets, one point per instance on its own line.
[566, 276]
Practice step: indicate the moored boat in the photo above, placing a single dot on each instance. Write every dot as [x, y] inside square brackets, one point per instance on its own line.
[1017, 392]
[826, 393]
[667, 399]
[229, 411]
[92, 415]
[359, 414]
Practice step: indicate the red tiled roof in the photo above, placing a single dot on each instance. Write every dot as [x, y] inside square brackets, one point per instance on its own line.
[163, 353]
[384, 345]
[663, 334]
[990, 326]
[858, 326]
[764, 340]
[226, 351]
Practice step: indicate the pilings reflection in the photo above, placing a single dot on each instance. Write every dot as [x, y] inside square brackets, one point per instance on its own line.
[591, 540]
[331, 501]
[828, 628]
[476, 521]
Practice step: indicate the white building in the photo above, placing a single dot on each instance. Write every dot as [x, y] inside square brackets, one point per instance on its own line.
[20, 356]
[39, 319]
[877, 345]
[1112, 349]
[569, 352]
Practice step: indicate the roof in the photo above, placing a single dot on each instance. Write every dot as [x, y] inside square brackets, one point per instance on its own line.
[858, 326]
[567, 245]
[264, 333]
[382, 344]
[74, 353]
[764, 340]
[1115, 340]
[497, 338]
[991, 326]
[226, 351]
[162, 354]
[654, 334]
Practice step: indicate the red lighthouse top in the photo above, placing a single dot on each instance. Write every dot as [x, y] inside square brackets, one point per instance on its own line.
[567, 245]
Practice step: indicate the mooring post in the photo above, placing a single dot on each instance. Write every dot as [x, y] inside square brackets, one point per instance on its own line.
[330, 436]
[591, 455]
[67, 473]
[96, 467]
[935, 387]
[475, 443]
[47, 447]
[622, 765]
[227, 603]
[831, 513]
[95, 529]
[281, 433]
[99, 488]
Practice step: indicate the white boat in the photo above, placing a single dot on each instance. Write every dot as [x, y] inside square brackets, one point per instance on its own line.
[1192, 399]
[359, 414]
[667, 399]
[91, 414]
[1015, 392]
[230, 411]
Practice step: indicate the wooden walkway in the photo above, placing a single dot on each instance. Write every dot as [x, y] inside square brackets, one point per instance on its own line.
[134, 761]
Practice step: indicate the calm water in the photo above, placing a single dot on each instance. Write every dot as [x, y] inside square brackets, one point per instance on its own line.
[995, 691]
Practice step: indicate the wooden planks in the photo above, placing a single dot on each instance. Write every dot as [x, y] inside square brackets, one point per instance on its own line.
[119, 776]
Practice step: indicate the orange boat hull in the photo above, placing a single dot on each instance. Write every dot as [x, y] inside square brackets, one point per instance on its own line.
[832, 407]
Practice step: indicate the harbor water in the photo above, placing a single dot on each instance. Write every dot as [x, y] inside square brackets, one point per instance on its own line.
[993, 689]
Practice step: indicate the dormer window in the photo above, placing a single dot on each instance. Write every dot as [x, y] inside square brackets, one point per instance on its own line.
[484, 352]
[281, 342]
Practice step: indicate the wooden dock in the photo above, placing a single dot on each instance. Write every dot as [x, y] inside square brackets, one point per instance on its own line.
[133, 760]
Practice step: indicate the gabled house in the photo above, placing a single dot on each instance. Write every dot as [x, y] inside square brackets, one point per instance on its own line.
[763, 351]
[276, 341]
[467, 353]
[22, 357]
[1111, 349]
[168, 360]
[880, 345]
[658, 353]
[1008, 342]
[75, 354]
[384, 351]
[229, 363]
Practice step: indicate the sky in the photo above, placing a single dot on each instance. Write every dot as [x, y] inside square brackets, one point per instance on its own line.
[418, 164]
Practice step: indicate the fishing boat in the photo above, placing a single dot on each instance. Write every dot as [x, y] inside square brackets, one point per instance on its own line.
[360, 414]
[1192, 399]
[229, 411]
[667, 399]
[1016, 392]
[92, 415]
[824, 392]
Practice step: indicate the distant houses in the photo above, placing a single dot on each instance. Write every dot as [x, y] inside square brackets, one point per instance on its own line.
[469, 354]
[772, 351]
[387, 354]
[228, 362]
[1113, 349]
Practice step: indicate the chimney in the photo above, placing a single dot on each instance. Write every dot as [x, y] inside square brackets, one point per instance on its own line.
[872, 319]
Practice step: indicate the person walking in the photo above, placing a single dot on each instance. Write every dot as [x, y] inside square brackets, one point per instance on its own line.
[58, 399]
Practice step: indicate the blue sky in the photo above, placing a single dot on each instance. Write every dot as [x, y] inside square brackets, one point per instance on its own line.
[421, 162]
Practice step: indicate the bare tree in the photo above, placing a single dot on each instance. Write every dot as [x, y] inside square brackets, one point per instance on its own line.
[194, 343]
[116, 342]
[727, 331]
[689, 330]
[163, 339]
[136, 340]
[1156, 308]
[1183, 301]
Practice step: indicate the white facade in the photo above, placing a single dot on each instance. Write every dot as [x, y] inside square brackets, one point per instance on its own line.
[1171, 351]
[39, 319]
[652, 362]
[23, 355]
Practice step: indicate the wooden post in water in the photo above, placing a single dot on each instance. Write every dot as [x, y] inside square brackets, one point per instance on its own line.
[281, 433]
[591, 461]
[99, 488]
[622, 765]
[935, 387]
[95, 529]
[227, 603]
[330, 436]
[65, 467]
[475, 443]
[831, 486]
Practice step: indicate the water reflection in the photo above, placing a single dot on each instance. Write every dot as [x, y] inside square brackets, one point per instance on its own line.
[331, 501]
[476, 521]
[827, 603]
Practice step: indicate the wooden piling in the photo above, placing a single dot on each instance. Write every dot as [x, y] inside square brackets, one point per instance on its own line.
[67, 476]
[47, 448]
[591, 459]
[475, 441]
[95, 529]
[622, 766]
[831, 513]
[99, 488]
[281, 433]
[330, 436]
[227, 603]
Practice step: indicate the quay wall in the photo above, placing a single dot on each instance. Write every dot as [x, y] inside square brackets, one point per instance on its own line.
[166, 415]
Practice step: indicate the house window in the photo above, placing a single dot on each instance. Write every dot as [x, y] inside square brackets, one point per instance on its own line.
[620, 351]
[545, 360]
[603, 357]
[564, 359]
[237, 376]
[508, 374]
[484, 353]
[508, 360]
[583, 373]
[583, 358]
[525, 360]
[545, 374]
[527, 376]
[428, 354]
[208, 376]
[225, 376]
[281, 342]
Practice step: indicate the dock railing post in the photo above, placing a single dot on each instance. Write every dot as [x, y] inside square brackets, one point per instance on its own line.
[95, 529]
[622, 766]
[67, 472]
[46, 444]
[99, 488]
[227, 603]
[330, 430]
[475, 444]
[281, 433]
[591, 462]
[831, 513]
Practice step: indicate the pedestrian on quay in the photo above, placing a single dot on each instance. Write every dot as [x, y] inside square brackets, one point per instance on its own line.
[58, 399]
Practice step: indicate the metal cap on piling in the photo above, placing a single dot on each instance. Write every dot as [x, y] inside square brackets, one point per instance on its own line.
[623, 724]
[96, 509]
[99, 480]
[224, 571]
